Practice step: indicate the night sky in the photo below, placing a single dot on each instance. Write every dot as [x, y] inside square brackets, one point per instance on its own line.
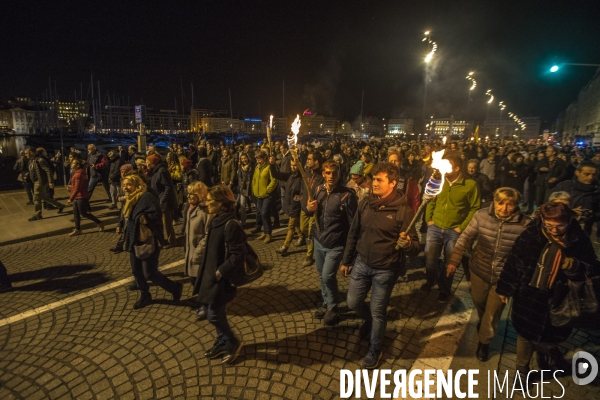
[327, 52]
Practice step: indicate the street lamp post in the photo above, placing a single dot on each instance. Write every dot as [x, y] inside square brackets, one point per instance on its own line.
[557, 67]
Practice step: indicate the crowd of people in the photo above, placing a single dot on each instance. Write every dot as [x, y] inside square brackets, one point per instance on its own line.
[518, 217]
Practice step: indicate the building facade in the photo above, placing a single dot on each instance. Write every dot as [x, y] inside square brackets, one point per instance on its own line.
[582, 116]
[501, 128]
[400, 126]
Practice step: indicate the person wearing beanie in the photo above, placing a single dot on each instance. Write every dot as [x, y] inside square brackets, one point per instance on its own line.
[358, 181]
[162, 184]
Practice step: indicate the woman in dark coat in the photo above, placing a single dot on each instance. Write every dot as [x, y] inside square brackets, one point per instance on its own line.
[142, 207]
[556, 242]
[223, 260]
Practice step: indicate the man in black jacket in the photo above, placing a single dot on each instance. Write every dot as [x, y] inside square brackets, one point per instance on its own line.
[334, 207]
[22, 167]
[291, 202]
[315, 178]
[378, 227]
[114, 177]
[585, 194]
[162, 184]
[204, 167]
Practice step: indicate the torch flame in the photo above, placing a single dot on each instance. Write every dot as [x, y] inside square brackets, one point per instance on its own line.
[271, 122]
[441, 165]
[293, 139]
[444, 141]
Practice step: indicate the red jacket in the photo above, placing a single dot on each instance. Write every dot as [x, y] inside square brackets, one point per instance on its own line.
[79, 185]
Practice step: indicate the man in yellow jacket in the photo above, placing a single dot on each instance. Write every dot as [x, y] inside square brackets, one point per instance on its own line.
[263, 185]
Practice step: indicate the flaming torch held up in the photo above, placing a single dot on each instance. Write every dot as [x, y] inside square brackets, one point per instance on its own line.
[292, 144]
[434, 185]
[269, 131]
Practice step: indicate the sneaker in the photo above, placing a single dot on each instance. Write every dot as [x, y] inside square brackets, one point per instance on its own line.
[218, 349]
[300, 242]
[372, 359]
[426, 287]
[61, 209]
[320, 313]
[76, 232]
[35, 218]
[29, 203]
[267, 239]
[262, 236]
[282, 250]
[443, 297]
[116, 249]
[232, 353]
[143, 301]
[332, 316]
[365, 330]
[178, 291]
[482, 352]
[308, 261]
[5, 288]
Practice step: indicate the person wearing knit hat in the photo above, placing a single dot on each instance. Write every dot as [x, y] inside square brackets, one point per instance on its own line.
[358, 181]
[154, 159]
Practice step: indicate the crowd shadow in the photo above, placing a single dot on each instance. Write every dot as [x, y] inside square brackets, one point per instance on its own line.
[62, 279]
[273, 299]
[56, 271]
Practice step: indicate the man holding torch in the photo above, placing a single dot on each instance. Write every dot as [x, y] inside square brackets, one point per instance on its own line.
[447, 215]
[375, 252]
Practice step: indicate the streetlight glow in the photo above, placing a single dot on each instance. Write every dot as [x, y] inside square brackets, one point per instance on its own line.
[554, 68]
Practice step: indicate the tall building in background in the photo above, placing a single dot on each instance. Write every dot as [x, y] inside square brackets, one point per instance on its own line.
[507, 128]
[582, 116]
[400, 126]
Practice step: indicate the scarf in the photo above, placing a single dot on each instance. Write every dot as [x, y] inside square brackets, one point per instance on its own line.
[376, 203]
[131, 200]
[549, 262]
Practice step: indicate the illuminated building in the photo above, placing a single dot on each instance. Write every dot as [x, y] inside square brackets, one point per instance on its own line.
[502, 128]
[121, 119]
[318, 124]
[397, 127]
[26, 120]
[582, 116]
[445, 126]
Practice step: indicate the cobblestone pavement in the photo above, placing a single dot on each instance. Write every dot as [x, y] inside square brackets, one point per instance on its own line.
[99, 347]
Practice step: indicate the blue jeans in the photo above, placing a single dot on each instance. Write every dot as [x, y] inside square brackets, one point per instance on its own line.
[216, 315]
[439, 239]
[362, 279]
[328, 261]
[263, 214]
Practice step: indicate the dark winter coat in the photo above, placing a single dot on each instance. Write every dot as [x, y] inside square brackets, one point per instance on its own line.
[205, 171]
[315, 178]
[244, 179]
[293, 191]
[510, 180]
[530, 312]
[335, 213]
[100, 163]
[114, 174]
[162, 184]
[149, 206]
[494, 239]
[374, 233]
[227, 259]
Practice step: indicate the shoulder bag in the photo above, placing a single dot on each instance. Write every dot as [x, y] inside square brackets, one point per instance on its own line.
[252, 268]
[147, 243]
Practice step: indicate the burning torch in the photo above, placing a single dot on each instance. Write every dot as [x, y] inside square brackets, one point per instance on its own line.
[292, 140]
[269, 129]
[434, 185]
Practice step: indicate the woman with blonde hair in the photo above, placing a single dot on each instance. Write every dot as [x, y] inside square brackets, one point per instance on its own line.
[143, 226]
[495, 228]
[195, 224]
